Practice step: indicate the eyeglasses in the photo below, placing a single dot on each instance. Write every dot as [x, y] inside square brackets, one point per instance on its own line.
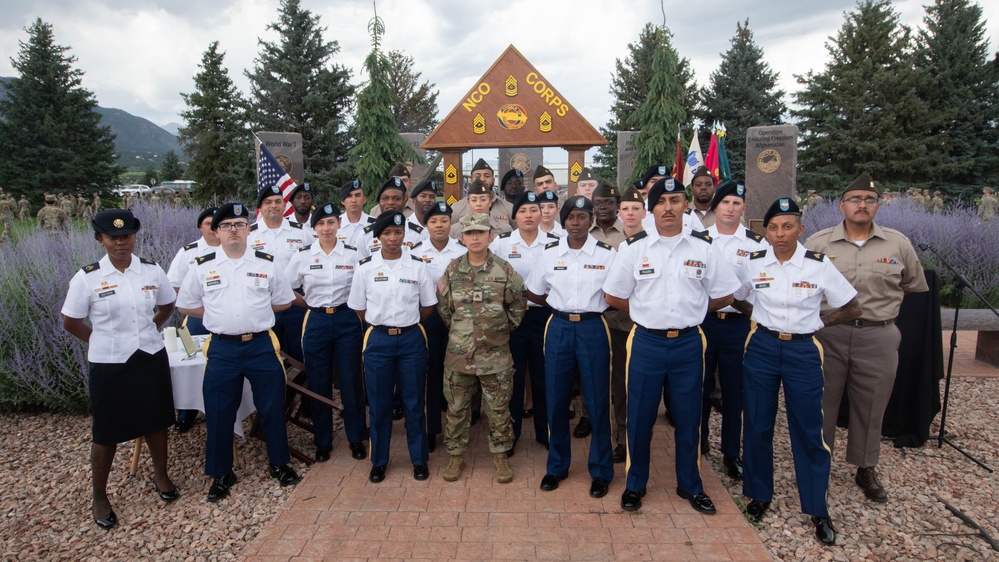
[865, 200]
[605, 203]
[227, 226]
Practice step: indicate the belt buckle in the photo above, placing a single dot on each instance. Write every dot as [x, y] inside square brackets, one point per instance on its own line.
[246, 337]
[784, 336]
[330, 310]
[859, 322]
[672, 334]
[574, 317]
[721, 315]
[394, 331]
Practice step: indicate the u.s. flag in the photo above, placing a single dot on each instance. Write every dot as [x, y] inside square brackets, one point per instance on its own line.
[270, 173]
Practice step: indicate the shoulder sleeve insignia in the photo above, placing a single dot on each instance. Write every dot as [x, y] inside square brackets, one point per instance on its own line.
[294, 224]
[506, 235]
[754, 236]
[415, 228]
[551, 244]
[701, 235]
[553, 235]
[637, 237]
[758, 254]
[254, 226]
[817, 256]
[147, 261]
[349, 247]
[204, 258]
[604, 245]
[365, 260]
[371, 219]
[191, 246]
[416, 258]
[263, 255]
[368, 229]
[91, 267]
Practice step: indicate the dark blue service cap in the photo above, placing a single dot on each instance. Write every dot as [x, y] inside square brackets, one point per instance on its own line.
[115, 222]
[230, 211]
[438, 208]
[663, 186]
[782, 206]
[323, 211]
[575, 203]
[387, 219]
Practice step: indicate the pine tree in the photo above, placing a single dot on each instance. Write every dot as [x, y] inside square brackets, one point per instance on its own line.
[953, 54]
[630, 88]
[171, 169]
[414, 105]
[295, 87]
[743, 94]
[662, 112]
[379, 144]
[863, 112]
[215, 136]
[50, 137]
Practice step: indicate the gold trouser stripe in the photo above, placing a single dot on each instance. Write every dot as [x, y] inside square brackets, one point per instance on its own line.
[544, 350]
[277, 351]
[610, 375]
[305, 322]
[700, 400]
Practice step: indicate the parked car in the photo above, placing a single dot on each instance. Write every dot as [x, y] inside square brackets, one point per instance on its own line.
[132, 189]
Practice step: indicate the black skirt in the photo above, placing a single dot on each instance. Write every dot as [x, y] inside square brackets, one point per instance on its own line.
[131, 399]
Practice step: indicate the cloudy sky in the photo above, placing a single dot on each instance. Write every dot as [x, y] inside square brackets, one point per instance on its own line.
[139, 55]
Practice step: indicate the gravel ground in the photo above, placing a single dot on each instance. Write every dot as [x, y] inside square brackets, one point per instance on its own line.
[914, 524]
[46, 501]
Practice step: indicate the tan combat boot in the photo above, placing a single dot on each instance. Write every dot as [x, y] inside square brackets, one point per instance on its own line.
[504, 473]
[454, 468]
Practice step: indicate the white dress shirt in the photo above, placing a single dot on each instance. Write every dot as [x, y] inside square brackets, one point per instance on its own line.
[185, 259]
[736, 248]
[325, 278]
[668, 281]
[120, 307]
[788, 296]
[237, 293]
[690, 222]
[438, 260]
[511, 247]
[370, 245]
[573, 279]
[350, 232]
[281, 242]
[391, 294]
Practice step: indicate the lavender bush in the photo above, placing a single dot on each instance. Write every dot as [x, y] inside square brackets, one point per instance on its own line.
[969, 244]
[41, 365]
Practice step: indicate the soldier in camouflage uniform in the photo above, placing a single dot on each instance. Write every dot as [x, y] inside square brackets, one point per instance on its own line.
[23, 209]
[51, 217]
[481, 298]
[8, 210]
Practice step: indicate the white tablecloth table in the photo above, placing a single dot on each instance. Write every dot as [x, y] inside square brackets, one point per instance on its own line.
[188, 376]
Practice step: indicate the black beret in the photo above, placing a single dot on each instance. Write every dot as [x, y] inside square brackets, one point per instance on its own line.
[438, 208]
[654, 170]
[399, 170]
[229, 211]
[782, 206]
[115, 222]
[526, 198]
[387, 219]
[481, 164]
[547, 197]
[428, 185]
[268, 192]
[638, 184]
[346, 188]
[587, 175]
[391, 183]
[324, 211]
[664, 185]
[725, 189]
[632, 194]
[702, 172]
[607, 189]
[541, 172]
[863, 183]
[205, 214]
[575, 203]
[513, 173]
[479, 188]
[304, 187]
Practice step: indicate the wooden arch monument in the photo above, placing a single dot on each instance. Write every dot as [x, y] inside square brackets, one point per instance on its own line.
[512, 105]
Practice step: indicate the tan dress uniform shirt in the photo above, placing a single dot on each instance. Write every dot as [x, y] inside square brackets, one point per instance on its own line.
[500, 217]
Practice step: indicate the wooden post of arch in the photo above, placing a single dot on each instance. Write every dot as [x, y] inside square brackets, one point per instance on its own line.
[452, 176]
[577, 160]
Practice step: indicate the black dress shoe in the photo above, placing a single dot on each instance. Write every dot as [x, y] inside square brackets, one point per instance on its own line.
[700, 502]
[528, 413]
[550, 482]
[631, 501]
[357, 450]
[620, 454]
[322, 454]
[824, 530]
[542, 442]
[284, 474]
[756, 509]
[733, 467]
[168, 497]
[431, 442]
[377, 474]
[184, 425]
[107, 522]
[220, 487]
[598, 488]
[421, 472]
[398, 413]
[583, 428]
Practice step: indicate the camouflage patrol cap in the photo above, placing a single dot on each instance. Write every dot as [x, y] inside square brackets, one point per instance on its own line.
[475, 222]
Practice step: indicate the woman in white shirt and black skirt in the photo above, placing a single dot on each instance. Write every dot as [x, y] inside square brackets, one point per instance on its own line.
[127, 300]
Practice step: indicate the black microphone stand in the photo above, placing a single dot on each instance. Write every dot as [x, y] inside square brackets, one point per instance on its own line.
[962, 283]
